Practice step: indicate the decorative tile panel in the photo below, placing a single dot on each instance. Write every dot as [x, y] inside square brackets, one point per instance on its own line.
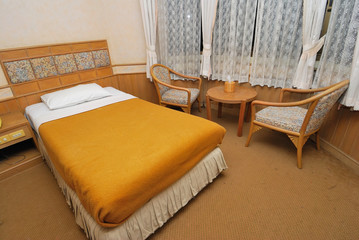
[101, 58]
[84, 60]
[65, 63]
[44, 67]
[19, 71]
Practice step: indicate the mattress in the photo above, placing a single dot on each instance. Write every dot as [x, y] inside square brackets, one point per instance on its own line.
[38, 115]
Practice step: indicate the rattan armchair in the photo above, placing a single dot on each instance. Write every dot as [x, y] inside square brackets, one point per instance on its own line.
[295, 121]
[169, 94]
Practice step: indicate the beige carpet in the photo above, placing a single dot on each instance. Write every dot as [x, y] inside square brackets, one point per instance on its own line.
[262, 195]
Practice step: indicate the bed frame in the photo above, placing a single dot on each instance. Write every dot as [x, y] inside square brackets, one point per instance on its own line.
[34, 71]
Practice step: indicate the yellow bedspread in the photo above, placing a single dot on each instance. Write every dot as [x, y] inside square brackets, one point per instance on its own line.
[118, 157]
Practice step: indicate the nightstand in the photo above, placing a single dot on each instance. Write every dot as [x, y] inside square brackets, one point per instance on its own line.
[14, 131]
[15, 128]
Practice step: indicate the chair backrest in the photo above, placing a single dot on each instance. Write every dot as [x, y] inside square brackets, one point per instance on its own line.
[161, 74]
[324, 105]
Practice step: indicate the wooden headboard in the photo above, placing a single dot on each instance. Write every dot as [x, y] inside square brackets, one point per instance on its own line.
[34, 71]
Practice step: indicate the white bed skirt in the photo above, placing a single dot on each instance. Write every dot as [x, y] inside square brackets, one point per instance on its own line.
[155, 212]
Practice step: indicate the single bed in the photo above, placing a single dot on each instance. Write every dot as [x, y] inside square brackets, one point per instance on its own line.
[125, 165]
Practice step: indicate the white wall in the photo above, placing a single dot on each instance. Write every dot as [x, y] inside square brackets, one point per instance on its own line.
[38, 22]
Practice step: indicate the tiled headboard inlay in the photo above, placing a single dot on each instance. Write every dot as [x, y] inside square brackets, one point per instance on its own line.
[43, 67]
[36, 70]
[19, 71]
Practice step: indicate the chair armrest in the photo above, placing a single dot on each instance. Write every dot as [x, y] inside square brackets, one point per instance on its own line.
[279, 104]
[301, 91]
[177, 88]
[190, 77]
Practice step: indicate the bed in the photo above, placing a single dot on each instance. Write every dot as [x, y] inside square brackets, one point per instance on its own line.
[125, 165]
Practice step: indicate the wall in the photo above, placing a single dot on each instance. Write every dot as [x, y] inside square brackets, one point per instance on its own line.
[39, 22]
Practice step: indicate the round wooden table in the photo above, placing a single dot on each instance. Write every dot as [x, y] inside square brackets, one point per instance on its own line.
[241, 95]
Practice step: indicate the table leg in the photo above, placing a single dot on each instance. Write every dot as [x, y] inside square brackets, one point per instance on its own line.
[241, 118]
[209, 115]
[219, 109]
[249, 109]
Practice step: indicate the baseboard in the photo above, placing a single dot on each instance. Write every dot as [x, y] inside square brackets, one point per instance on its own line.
[339, 154]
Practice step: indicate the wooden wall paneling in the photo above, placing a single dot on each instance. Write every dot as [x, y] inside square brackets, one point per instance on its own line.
[104, 82]
[98, 45]
[62, 49]
[22, 103]
[126, 84]
[104, 72]
[49, 83]
[39, 52]
[70, 79]
[352, 133]
[114, 81]
[138, 85]
[328, 128]
[12, 54]
[25, 88]
[341, 128]
[87, 75]
[32, 99]
[354, 152]
[12, 105]
[4, 108]
[80, 47]
[146, 88]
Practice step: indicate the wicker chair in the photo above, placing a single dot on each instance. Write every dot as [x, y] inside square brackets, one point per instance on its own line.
[173, 95]
[297, 122]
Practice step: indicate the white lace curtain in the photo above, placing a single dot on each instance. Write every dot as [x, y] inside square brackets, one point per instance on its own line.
[337, 57]
[313, 15]
[149, 19]
[179, 27]
[351, 98]
[209, 8]
[278, 41]
[233, 39]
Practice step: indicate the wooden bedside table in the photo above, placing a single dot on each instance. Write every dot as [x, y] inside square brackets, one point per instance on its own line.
[14, 130]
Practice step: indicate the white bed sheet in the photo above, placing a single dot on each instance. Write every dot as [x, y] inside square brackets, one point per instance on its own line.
[39, 113]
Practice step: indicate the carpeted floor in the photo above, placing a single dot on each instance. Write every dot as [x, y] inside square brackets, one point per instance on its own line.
[262, 195]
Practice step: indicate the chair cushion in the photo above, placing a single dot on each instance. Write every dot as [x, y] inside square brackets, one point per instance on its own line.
[289, 118]
[180, 97]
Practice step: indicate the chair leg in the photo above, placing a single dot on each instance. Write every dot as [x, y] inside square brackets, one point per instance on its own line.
[249, 134]
[186, 109]
[299, 152]
[317, 140]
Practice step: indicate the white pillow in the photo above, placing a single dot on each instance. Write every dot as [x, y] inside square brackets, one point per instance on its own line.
[75, 95]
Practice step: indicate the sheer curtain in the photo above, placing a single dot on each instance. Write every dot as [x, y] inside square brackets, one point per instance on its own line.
[232, 39]
[313, 15]
[278, 41]
[149, 19]
[337, 58]
[351, 98]
[209, 8]
[179, 28]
